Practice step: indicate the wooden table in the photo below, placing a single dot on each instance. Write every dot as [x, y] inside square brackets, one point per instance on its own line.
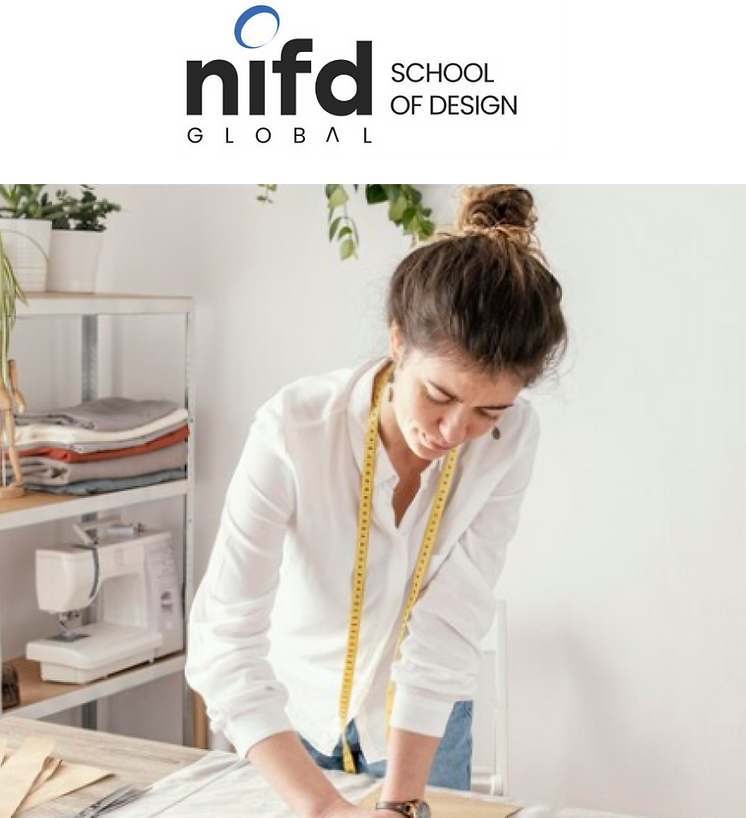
[132, 760]
[140, 762]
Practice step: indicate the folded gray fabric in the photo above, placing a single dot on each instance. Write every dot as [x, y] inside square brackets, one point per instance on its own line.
[87, 487]
[104, 414]
[48, 471]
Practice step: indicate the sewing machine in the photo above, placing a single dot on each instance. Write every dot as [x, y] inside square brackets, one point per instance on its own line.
[130, 573]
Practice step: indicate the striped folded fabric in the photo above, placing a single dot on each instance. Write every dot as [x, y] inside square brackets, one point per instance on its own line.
[104, 445]
[72, 456]
[47, 471]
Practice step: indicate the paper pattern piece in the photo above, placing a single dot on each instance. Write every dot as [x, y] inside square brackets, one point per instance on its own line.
[33, 776]
[47, 771]
[445, 804]
[66, 778]
[20, 771]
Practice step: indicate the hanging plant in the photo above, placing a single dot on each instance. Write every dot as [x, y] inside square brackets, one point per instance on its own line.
[405, 209]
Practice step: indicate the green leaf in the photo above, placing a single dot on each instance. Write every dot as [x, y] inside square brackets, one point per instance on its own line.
[409, 214]
[347, 249]
[333, 227]
[392, 192]
[345, 231]
[428, 228]
[396, 211]
[338, 197]
[375, 194]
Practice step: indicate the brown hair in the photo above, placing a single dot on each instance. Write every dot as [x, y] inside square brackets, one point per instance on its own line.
[483, 293]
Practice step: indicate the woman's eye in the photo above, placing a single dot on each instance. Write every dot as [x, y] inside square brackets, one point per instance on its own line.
[440, 399]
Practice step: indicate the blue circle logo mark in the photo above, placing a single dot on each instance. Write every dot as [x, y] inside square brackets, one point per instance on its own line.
[246, 16]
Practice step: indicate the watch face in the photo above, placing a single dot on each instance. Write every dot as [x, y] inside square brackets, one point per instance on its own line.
[423, 810]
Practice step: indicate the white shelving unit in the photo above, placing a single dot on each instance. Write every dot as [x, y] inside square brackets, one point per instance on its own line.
[35, 508]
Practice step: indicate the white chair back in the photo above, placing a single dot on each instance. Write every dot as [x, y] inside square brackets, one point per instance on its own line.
[490, 759]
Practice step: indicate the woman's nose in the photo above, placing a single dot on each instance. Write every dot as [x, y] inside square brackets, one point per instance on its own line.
[453, 427]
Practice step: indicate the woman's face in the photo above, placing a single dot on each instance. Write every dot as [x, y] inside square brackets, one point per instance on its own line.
[439, 403]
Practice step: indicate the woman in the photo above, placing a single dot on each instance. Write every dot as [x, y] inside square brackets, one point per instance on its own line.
[351, 582]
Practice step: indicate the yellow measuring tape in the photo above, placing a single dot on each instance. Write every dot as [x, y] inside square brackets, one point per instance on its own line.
[361, 557]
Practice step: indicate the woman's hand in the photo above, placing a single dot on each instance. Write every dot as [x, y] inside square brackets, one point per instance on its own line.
[344, 809]
[289, 770]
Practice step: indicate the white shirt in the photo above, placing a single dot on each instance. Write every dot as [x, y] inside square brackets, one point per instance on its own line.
[268, 628]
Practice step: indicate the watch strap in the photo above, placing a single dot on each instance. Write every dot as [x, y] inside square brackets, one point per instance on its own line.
[408, 808]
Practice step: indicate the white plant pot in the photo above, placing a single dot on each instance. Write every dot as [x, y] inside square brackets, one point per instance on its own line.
[73, 260]
[26, 243]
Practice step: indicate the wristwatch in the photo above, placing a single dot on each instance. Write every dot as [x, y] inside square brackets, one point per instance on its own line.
[412, 809]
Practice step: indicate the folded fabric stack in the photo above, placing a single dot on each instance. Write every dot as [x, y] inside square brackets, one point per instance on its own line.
[103, 445]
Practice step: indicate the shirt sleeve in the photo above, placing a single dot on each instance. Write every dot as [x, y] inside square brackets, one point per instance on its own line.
[440, 656]
[229, 621]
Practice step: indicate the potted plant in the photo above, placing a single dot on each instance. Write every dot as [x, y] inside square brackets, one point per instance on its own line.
[11, 399]
[25, 211]
[78, 223]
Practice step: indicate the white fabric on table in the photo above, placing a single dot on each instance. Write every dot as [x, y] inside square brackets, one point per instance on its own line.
[223, 784]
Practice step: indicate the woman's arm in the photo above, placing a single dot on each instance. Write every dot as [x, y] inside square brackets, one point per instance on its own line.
[410, 756]
[290, 771]
[440, 655]
[227, 659]
[292, 774]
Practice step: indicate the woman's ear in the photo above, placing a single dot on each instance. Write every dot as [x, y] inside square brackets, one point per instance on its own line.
[396, 343]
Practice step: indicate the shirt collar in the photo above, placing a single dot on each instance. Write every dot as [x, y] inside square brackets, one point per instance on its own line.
[358, 411]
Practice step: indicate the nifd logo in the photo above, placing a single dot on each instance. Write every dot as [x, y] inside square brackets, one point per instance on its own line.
[287, 68]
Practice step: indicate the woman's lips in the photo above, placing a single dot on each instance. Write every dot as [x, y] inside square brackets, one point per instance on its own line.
[431, 444]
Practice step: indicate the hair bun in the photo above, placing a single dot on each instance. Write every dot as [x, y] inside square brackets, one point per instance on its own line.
[497, 208]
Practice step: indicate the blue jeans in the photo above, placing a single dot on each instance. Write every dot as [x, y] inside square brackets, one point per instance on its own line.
[452, 764]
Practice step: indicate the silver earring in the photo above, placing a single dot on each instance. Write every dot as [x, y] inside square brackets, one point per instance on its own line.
[496, 433]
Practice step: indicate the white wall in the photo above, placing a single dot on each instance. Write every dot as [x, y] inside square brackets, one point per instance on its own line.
[627, 620]
[625, 588]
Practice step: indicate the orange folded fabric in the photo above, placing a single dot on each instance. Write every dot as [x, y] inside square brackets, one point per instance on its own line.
[69, 456]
